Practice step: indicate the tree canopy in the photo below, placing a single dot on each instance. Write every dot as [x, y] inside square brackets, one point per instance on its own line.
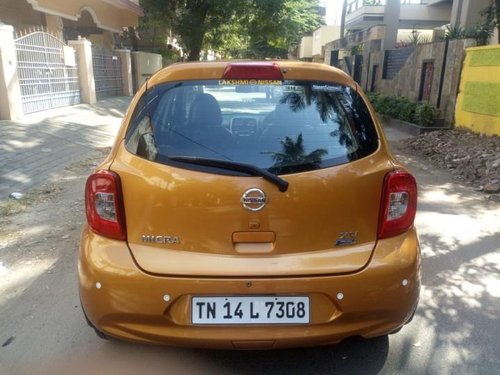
[236, 28]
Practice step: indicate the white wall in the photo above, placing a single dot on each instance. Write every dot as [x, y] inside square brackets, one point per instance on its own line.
[305, 48]
[322, 36]
[144, 66]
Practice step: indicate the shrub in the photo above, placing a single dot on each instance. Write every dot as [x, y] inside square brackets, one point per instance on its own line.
[425, 115]
[403, 109]
[373, 97]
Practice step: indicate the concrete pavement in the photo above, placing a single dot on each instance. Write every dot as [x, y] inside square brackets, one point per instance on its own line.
[34, 151]
[395, 134]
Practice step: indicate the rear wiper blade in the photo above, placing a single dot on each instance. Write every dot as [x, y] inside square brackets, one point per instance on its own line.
[235, 166]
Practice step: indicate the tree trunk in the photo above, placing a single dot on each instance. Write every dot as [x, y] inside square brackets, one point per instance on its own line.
[194, 53]
[198, 12]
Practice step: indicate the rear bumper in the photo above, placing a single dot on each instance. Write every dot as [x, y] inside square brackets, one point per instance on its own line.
[123, 301]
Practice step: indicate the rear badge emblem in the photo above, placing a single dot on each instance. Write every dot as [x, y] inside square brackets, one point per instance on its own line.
[347, 238]
[254, 199]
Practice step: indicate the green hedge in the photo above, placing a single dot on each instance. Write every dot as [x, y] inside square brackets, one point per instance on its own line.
[403, 109]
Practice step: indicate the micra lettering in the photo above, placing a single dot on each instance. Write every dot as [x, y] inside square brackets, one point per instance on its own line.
[171, 240]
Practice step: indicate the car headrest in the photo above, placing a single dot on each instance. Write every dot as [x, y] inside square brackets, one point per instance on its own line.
[205, 111]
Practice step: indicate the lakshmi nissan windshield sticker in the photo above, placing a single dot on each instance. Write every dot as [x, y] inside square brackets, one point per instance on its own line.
[235, 82]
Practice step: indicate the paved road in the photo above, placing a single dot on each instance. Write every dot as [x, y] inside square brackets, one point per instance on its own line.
[455, 330]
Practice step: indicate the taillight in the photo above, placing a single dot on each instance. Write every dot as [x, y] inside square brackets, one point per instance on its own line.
[104, 205]
[399, 204]
[253, 70]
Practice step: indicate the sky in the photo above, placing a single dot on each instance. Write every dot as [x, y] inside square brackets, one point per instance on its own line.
[333, 11]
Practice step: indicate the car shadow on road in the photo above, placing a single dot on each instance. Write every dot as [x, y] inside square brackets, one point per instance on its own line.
[352, 356]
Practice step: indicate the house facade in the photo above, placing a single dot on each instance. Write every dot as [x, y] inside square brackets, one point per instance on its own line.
[96, 20]
[410, 15]
[399, 47]
[312, 48]
[56, 53]
[386, 25]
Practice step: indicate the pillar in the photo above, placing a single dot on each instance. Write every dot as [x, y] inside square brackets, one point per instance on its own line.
[465, 13]
[11, 107]
[85, 70]
[126, 61]
[391, 21]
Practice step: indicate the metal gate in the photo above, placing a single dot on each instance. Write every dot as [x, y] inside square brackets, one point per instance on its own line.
[48, 72]
[107, 73]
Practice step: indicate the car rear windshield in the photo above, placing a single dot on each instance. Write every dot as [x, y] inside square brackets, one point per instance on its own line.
[279, 126]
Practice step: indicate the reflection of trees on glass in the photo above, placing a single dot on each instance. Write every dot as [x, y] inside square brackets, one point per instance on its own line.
[345, 138]
[294, 154]
[294, 100]
[323, 101]
[331, 106]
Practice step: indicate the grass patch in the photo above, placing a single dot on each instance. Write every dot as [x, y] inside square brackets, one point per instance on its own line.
[482, 98]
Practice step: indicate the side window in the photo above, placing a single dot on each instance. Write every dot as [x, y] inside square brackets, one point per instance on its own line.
[144, 108]
[142, 141]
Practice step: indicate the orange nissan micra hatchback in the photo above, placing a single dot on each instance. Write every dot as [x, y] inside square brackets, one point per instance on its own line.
[249, 205]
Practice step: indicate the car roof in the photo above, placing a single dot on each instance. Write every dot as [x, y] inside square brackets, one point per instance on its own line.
[298, 70]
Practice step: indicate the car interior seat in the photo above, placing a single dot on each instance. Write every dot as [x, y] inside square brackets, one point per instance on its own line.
[205, 122]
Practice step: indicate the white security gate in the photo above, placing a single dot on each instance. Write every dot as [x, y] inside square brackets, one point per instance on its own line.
[48, 72]
[107, 73]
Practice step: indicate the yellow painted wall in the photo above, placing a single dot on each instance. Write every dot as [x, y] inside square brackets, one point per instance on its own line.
[478, 102]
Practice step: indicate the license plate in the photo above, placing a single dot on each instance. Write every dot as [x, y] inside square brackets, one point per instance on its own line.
[250, 310]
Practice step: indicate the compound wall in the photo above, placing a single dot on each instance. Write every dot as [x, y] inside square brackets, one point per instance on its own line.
[478, 102]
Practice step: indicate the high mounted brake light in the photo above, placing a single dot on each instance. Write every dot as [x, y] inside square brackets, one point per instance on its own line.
[104, 205]
[253, 70]
[399, 204]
